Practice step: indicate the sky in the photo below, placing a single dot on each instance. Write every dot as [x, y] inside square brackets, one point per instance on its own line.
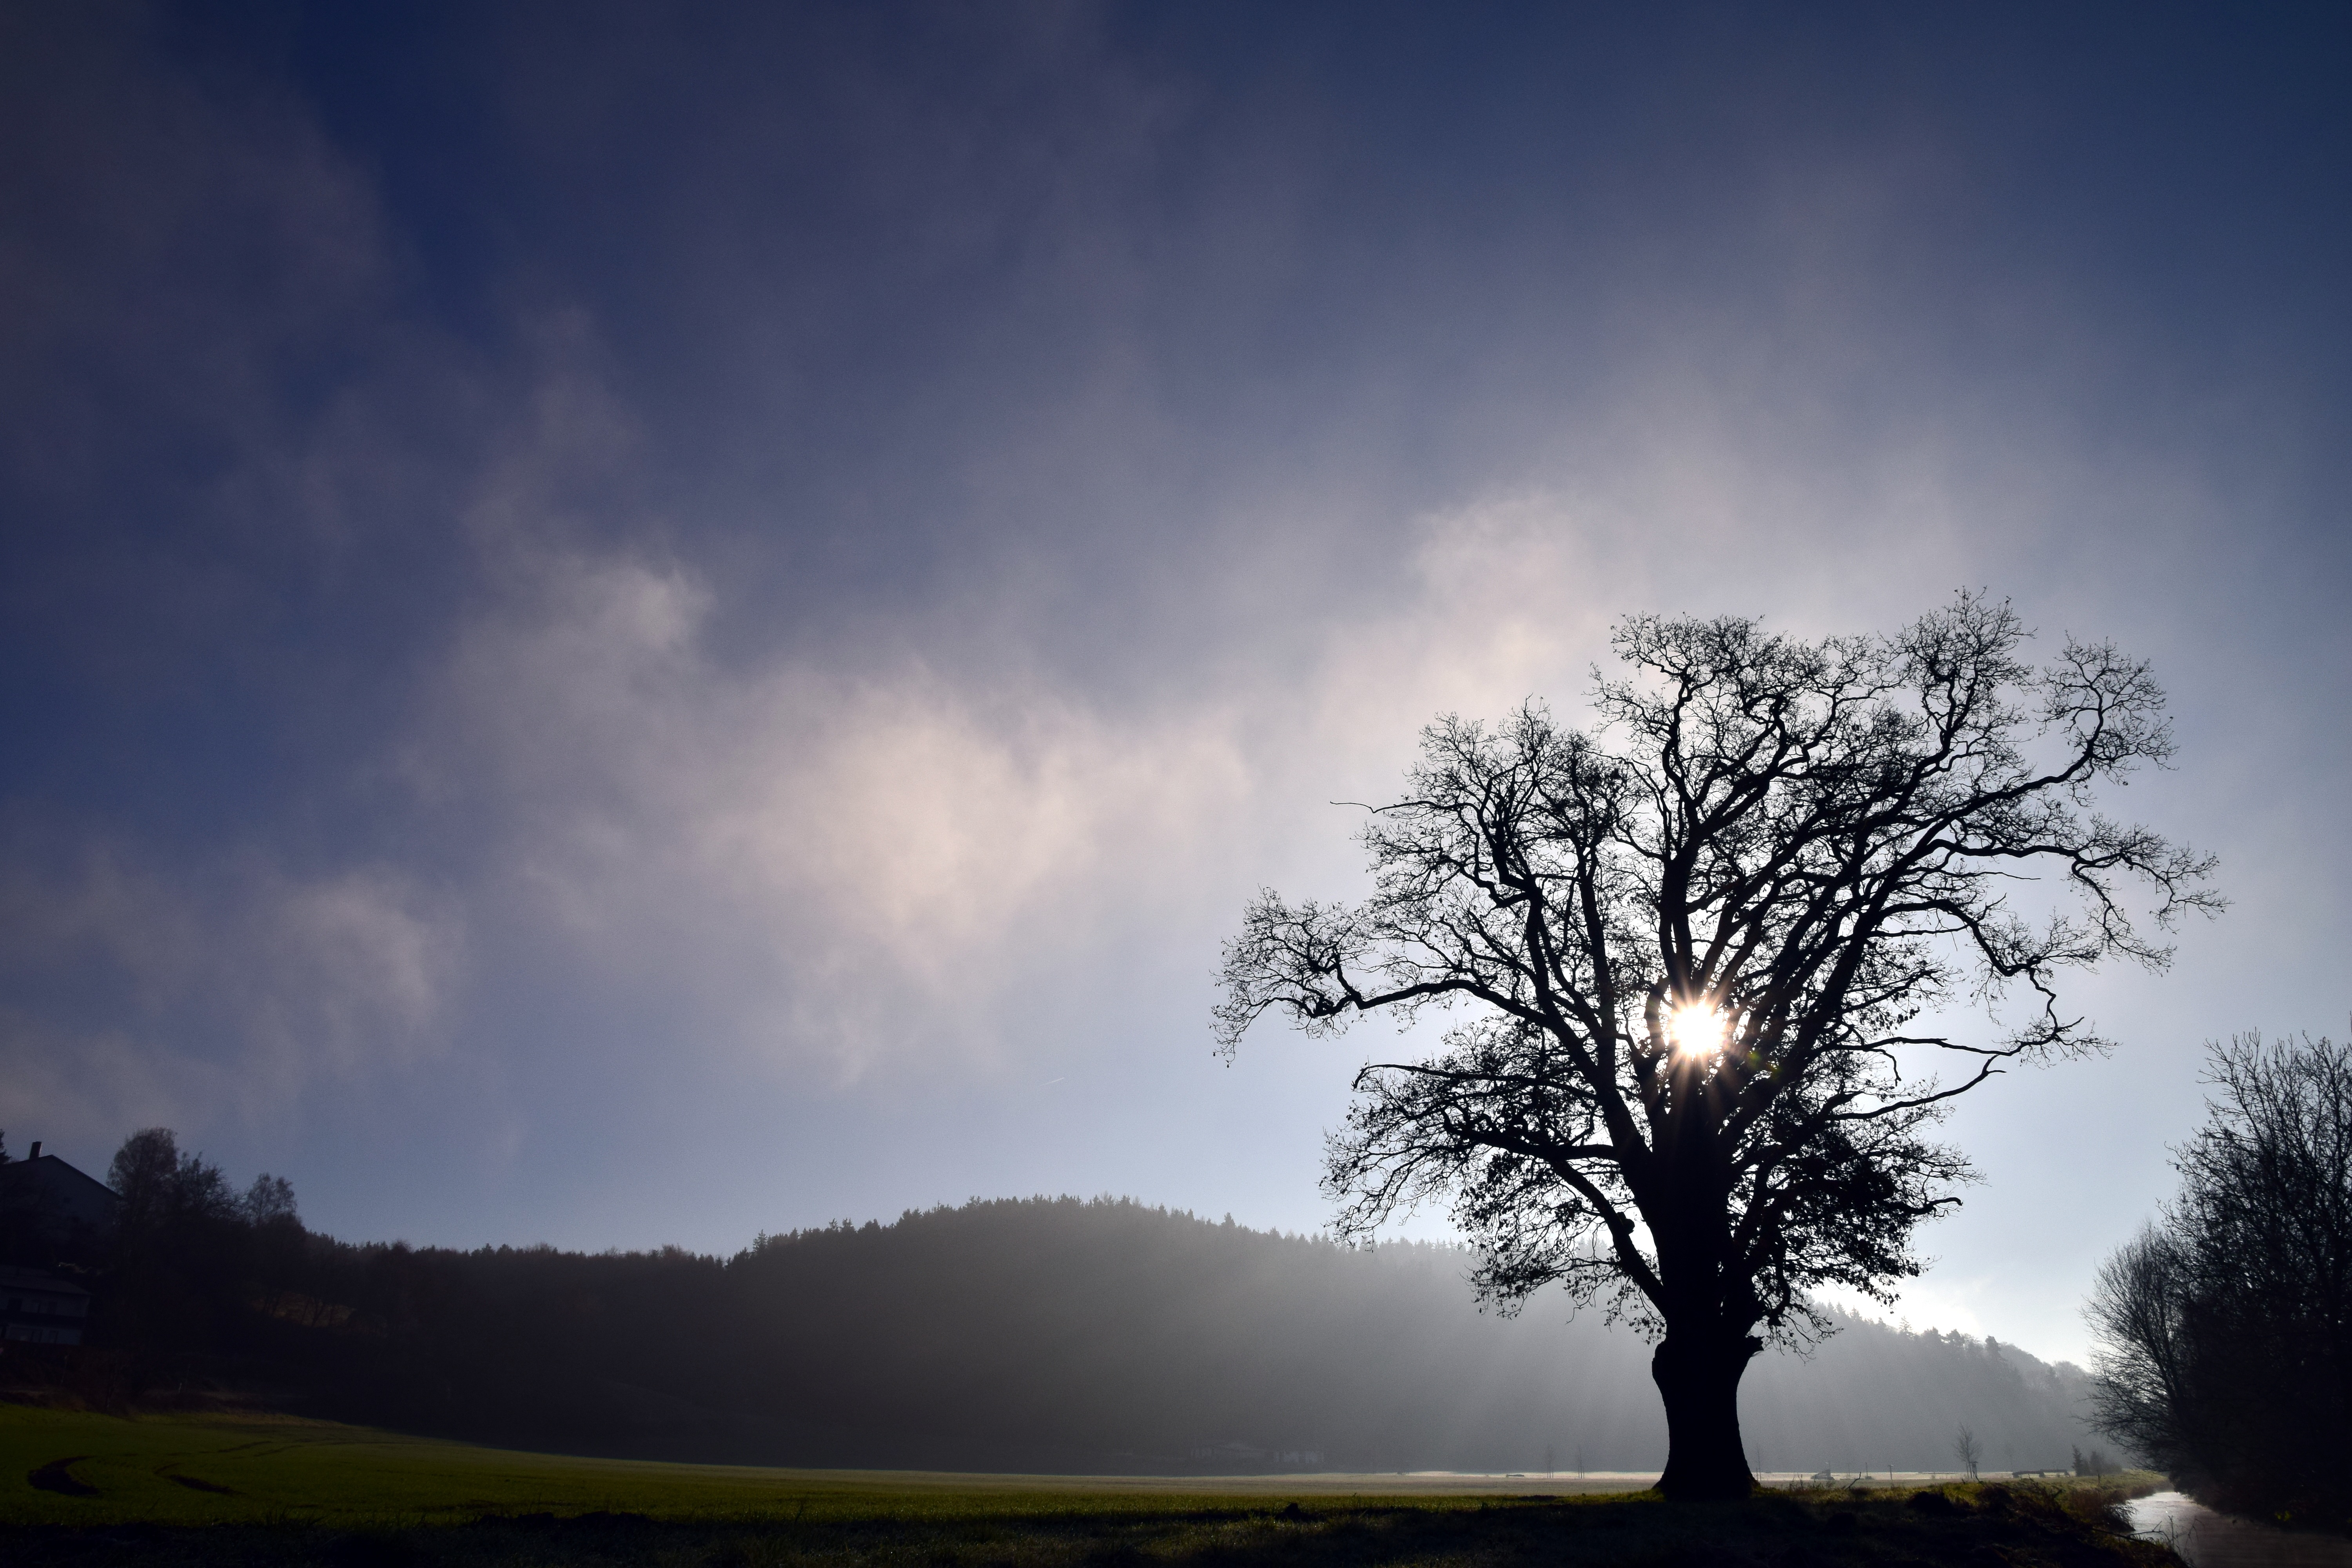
[626, 626]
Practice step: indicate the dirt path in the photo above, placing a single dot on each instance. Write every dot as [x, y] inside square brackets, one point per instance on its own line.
[2208, 1540]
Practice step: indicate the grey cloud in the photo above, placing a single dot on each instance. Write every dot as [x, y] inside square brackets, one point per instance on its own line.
[800, 565]
[229, 991]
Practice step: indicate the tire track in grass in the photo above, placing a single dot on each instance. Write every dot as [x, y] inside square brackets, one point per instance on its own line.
[58, 1476]
[170, 1470]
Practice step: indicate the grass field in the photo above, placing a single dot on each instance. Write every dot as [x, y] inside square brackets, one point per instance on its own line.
[77, 1487]
[201, 1470]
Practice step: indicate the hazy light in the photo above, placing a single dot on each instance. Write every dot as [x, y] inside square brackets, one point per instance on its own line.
[1696, 1029]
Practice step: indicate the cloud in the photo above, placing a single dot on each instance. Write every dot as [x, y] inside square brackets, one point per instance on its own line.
[912, 843]
[188, 991]
[821, 590]
[830, 866]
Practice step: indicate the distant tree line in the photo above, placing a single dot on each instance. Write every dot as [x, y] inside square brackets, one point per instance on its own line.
[2226, 1329]
[1044, 1334]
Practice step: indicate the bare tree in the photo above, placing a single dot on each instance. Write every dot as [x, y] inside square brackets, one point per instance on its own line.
[1695, 966]
[269, 1200]
[2225, 1333]
[2143, 1391]
[1966, 1449]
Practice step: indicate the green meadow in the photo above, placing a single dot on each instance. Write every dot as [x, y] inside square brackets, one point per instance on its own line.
[97, 1470]
[74, 1467]
[79, 1487]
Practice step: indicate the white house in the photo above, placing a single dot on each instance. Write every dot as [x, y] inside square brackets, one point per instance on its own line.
[38, 1308]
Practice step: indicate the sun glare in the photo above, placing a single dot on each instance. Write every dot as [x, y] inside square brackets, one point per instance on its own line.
[1694, 1030]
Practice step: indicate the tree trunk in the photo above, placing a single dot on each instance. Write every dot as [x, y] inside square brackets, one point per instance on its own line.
[1698, 1375]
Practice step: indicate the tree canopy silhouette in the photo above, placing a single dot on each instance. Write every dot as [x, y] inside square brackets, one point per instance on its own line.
[2225, 1333]
[1698, 947]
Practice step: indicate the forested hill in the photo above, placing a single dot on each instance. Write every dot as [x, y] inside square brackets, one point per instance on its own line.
[1068, 1335]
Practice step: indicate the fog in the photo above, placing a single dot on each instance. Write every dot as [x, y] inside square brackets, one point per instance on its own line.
[1103, 1336]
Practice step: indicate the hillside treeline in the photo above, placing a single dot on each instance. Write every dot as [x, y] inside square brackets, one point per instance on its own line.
[1048, 1334]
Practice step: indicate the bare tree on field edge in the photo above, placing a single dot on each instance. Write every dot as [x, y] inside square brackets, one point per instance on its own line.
[1699, 949]
[2223, 1335]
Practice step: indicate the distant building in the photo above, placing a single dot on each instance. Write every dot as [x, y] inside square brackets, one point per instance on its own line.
[37, 1308]
[49, 1209]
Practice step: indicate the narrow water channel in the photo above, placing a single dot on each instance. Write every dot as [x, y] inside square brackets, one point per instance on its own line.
[2208, 1540]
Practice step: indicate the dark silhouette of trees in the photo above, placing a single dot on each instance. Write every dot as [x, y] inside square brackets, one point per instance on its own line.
[1696, 947]
[163, 1189]
[189, 1254]
[269, 1200]
[1052, 1335]
[2225, 1332]
[1043, 1335]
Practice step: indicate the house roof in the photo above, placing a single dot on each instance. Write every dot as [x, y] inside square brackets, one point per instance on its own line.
[54, 1187]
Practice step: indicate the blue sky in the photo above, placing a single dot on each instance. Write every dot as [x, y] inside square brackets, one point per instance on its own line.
[627, 627]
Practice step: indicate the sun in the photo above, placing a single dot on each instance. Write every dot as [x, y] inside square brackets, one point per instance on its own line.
[1696, 1029]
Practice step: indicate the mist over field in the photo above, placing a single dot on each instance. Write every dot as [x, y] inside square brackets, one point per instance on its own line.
[1103, 1336]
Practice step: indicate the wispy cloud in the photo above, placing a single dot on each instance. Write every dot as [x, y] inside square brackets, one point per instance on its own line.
[634, 601]
[171, 990]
